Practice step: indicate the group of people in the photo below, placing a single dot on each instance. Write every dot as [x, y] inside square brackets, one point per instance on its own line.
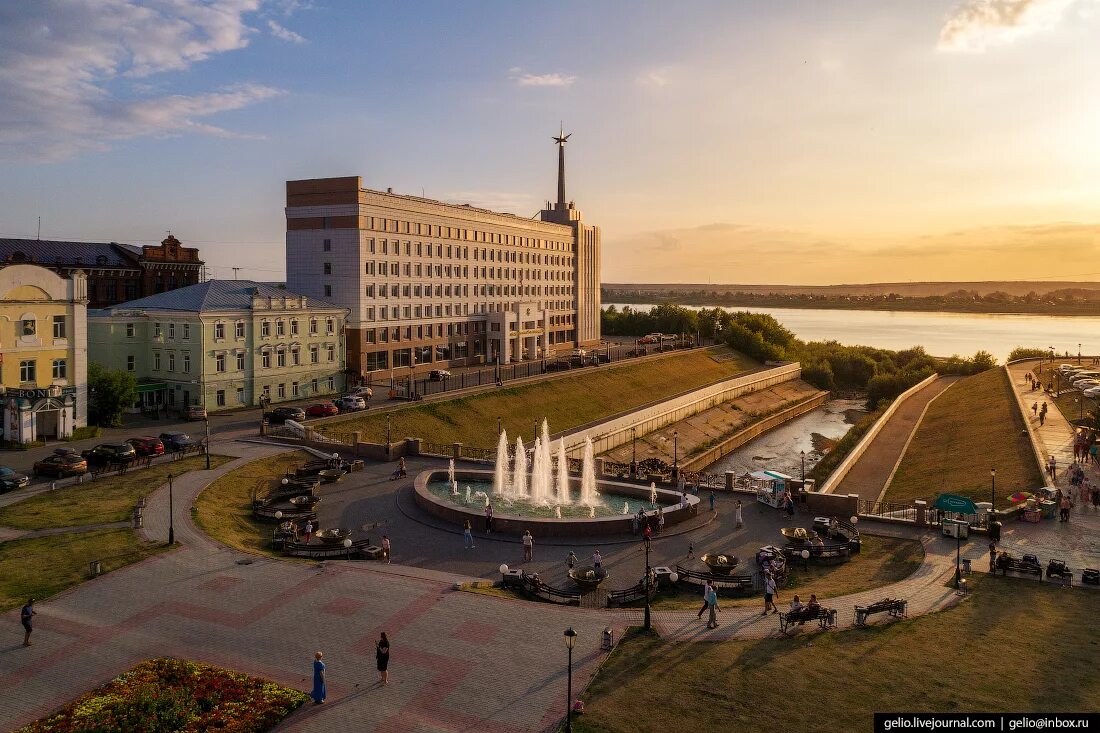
[319, 693]
[648, 522]
[1040, 411]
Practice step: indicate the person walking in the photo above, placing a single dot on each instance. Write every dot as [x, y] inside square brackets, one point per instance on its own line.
[712, 602]
[528, 546]
[737, 515]
[706, 603]
[1052, 468]
[691, 550]
[992, 557]
[1066, 505]
[571, 561]
[597, 559]
[1035, 409]
[712, 501]
[769, 594]
[26, 616]
[647, 534]
[488, 518]
[660, 520]
[634, 525]
[309, 530]
[370, 394]
[319, 692]
[382, 657]
[386, 549]
[468, 535]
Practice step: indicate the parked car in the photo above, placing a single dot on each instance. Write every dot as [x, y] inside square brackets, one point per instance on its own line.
[10, 480]
[1083, 384]
[1084, 375]
[195, 412]
[281, 414]
[351, 403]
[110, 453]
[322, 409]
[147, 445]
[669, 337]
[177, 441]
[604, 357]
[438, 375]
[556, 365]
[650, 338]
[61, 464]
[1093, 392]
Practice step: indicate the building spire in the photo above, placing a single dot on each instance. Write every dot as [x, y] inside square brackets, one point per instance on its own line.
[561, 139]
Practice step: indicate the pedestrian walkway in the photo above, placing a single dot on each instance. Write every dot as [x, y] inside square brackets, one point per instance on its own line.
[870, 474]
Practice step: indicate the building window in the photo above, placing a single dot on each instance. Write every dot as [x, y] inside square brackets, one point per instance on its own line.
[313, 386]
[29, 326]
[238, 330]
[265, 329]
[219, 331]
[186, 331]
[156, 361]
[131, 290]
[332, 384]
[281, 391]
[295, 357]
[59, 370]
[219, 363]
[28, 371]
[59, 327]
[330, 326]
[327, 245]
[313, 326]
[129, 330]
[156, 330]
[280, 359]
[219, 398]
[240, 395]
[187, 363]
[293, 389]
[332, 353]
[280, 328]
[171, 361]
[328, 291]
[131, 364]
[327, 268]
[171, 330]
[267, 391]
[313, 354]
[240, 362]
[294, 327]
[265, 360]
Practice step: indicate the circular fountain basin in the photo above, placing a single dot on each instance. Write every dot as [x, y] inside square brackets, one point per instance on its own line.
[720, 564]
[432, 492]
[588, 578]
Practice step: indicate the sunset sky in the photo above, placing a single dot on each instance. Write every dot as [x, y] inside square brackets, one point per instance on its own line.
[789, 142]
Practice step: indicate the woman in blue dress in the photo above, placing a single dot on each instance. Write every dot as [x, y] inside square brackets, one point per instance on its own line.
[319, 693]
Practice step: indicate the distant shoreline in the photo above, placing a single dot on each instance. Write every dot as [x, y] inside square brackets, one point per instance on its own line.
[911, 305]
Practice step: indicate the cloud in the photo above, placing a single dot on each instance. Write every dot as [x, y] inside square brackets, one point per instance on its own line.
[284, 34]
[654, 78]
[61, 62]
[975, 25]
[525, 79]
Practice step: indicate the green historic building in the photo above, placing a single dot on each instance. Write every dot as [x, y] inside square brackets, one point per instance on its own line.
[223, 344]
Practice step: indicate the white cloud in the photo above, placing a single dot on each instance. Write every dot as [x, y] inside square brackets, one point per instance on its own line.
[975, 25]
[654, 78]
[284, 34]
[61, 61]
[525, 79]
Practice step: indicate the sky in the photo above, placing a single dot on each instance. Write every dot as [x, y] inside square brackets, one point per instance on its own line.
[801, 142]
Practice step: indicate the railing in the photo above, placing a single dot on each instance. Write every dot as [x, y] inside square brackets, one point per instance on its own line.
[630, 595]
[482, 454]
[887, 510]
[436, 449]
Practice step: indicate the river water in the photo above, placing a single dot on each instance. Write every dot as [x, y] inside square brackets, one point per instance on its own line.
[941, 334]
[779, 449]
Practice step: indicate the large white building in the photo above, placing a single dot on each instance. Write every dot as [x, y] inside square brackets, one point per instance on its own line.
[431, 285]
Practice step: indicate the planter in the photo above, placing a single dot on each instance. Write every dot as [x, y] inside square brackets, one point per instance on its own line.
[305, 503]
[332, 536]
[588, 578]
[720, 564]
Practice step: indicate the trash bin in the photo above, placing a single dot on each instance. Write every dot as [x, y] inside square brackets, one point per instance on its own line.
[995, 531]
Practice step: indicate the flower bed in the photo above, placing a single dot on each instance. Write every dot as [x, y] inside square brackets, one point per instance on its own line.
[168, 695]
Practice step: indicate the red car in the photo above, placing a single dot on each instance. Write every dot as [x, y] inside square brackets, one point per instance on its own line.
[322, 409]
[147, 446]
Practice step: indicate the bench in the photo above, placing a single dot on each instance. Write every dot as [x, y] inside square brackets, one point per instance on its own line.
[530, 583]
[825, 617]
[832, 552]
[1090, 576]
[1027, 565]
[896, 607]
[1058, 569]
[314, 550]
[733, 583]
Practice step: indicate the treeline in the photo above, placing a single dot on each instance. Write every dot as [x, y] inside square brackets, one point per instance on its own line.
[881, 373]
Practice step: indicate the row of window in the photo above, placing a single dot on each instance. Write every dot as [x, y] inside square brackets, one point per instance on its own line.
[28, 370]
[220, 360]
[445, 232]
[280, 328]
[384, 268]
[29, 327]
[295, 391]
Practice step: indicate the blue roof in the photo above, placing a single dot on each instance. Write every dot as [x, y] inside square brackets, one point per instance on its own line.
[50, 252]
[213, 295]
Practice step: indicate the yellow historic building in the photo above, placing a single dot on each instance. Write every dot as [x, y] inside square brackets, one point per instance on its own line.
[43, 352]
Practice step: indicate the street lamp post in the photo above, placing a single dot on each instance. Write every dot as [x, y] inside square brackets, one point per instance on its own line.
[499, 428]
[633, 452]
[646, 623]
[171, 515]
[389, 432]
[1078, 353]
[207, 421]
[676, 452]
[570, 641]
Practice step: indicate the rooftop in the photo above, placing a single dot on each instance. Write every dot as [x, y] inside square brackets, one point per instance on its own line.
[213, 295]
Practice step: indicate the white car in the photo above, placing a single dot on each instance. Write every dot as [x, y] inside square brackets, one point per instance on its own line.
[1093, 392]
[1082, 376]
[1084, 384]
[351, 403]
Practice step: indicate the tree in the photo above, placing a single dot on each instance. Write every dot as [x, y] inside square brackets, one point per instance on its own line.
[111, 392]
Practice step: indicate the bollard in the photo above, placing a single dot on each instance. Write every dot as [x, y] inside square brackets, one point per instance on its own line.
[608, 639]
[96, 568]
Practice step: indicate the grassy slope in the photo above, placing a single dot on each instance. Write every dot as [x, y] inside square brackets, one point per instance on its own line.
[43, 566]
[108, 499]
[972, 427]
[566, 402]
[939, 662]
[223, 509]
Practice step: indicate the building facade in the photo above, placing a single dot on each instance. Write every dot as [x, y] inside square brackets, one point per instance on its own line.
[431, 285]
[43, 353]
[223, 344]
[115, 272]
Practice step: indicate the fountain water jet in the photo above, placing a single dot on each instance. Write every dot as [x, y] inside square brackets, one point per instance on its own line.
[500, 472]
[451, 471]
[653, 493]
[519, 471]
[563, 475]
[589, 495]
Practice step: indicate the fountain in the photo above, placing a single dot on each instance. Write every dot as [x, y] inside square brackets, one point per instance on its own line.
[563, 474]
[451, 470]
[519, 471]
[467, 493]
[626, 507]
[589, 495]
[454, 488]
[500, 474]
[557, 512]
[591, 512]
[652, 493]
[540, 474]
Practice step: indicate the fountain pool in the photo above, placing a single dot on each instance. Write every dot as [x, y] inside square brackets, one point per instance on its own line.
[611, 504]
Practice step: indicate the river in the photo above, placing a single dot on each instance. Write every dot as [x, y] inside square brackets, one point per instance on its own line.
[941, 334]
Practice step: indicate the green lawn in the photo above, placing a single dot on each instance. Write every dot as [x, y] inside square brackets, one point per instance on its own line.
[566, 402]
[884, 560]
[987, 655]
[108, 499]
[224, 509]
[44, 566]
[972, 427]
